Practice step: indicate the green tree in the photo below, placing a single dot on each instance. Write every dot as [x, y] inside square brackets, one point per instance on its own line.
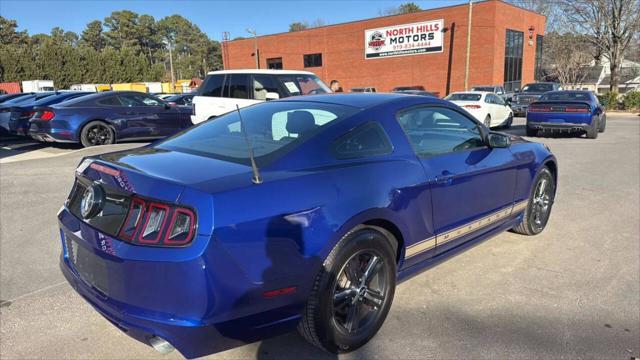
[122, 29]
[405, 8]
[93, 36]
[297, 26]
[8, 33]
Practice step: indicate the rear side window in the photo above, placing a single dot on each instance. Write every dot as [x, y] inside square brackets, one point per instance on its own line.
[369, 139]
[237, 86]
[110, 101]
[212, 86]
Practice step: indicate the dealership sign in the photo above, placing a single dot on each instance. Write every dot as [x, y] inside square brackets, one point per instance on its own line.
[400, 40]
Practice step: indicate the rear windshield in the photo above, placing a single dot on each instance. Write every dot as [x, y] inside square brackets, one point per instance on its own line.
[464, 97]
[483, 88]
[578, 96]
[537, 88]
[273, 129]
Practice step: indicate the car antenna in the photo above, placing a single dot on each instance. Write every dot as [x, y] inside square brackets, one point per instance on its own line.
[256, 179]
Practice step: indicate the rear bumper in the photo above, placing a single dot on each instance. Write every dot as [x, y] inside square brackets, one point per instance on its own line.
[199, 305]
[558, 126]
[43, 131]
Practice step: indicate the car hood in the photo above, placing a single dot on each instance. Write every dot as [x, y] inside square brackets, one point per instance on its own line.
[194, 171]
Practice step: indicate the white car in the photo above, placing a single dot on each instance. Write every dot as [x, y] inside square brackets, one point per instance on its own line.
[221, 91]
[487, 107]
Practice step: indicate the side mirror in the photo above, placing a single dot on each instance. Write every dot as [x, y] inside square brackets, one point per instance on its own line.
[271, 96]
[498, 140]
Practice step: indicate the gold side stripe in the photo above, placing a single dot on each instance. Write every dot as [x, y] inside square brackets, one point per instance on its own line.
[420, 247]
[521, 205]
[463, 230]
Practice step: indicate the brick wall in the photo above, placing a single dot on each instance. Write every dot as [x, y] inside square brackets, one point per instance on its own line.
[342, 48]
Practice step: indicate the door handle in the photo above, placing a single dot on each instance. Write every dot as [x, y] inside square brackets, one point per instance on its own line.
[445, 179]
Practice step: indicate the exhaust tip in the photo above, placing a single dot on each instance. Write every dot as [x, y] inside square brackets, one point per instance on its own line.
[161, 345]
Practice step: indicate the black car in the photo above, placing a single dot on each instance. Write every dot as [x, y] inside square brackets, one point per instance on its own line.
[180, 99]
[530, 93]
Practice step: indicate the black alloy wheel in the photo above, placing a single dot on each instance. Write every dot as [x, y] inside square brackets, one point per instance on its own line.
[353, 291]
[96, 133]
[538, 210]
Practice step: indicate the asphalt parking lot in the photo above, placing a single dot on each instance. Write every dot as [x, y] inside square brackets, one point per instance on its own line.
[571, 292]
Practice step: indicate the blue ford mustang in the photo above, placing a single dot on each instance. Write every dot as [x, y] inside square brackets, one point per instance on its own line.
[107, 117]
[567, 111]
[303, 212]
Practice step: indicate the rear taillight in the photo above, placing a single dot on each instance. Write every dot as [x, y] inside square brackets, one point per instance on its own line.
[47, 115]
[576, 109]
[157, 224]
[538, 108]
[472, 106]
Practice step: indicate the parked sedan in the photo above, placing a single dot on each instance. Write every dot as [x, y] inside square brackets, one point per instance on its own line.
[21, 113]
[7, 97]
[484, 106]
[567, 111]
[198, 242]
[107, 117]
[5, 107]
[180, 99]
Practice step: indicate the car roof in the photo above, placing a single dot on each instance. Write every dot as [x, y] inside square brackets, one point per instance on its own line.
[357, 100]
[260, 71]
[99, 95]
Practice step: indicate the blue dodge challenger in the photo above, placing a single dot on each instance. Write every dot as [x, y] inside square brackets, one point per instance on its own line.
[567, 111]
[303, 212]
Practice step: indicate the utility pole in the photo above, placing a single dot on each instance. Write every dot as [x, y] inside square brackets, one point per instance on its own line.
[173, 80]
[466, 65]
[255, 46]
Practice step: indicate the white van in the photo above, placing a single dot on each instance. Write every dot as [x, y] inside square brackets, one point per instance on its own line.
[221, 91]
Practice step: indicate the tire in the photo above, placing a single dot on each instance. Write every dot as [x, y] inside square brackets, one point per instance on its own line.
[592, 131]
[532, 132]
[96, 133]
[326, 325]
[487, 121]
[509, 121]
[603, 123]
[533, 222]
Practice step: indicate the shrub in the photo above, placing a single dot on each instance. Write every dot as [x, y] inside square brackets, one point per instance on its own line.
[609, 100]
[632, 100]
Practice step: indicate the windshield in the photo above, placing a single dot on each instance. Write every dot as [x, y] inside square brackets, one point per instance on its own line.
[464, 97]
[273, 128]
[537, 88]
[303, 84]
[579, 96]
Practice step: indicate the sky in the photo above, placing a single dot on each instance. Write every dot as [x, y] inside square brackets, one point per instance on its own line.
[213, 17]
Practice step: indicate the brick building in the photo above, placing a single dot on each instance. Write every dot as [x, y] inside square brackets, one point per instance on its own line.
[426, 48]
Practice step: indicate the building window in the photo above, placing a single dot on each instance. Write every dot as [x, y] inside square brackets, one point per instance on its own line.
[513, 60]
[312, 60]
[539, 47]
[274, 63]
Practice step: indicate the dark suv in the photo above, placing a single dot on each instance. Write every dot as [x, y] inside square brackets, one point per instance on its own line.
[530, 93]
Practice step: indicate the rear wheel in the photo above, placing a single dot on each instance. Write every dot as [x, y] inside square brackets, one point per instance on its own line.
[592, 131]
[538, 209]
[96, 133]
[509, 121]
[603, 123]
[353, 292]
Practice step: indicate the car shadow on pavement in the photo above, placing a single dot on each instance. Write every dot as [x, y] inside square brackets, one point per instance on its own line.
[290, 346]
